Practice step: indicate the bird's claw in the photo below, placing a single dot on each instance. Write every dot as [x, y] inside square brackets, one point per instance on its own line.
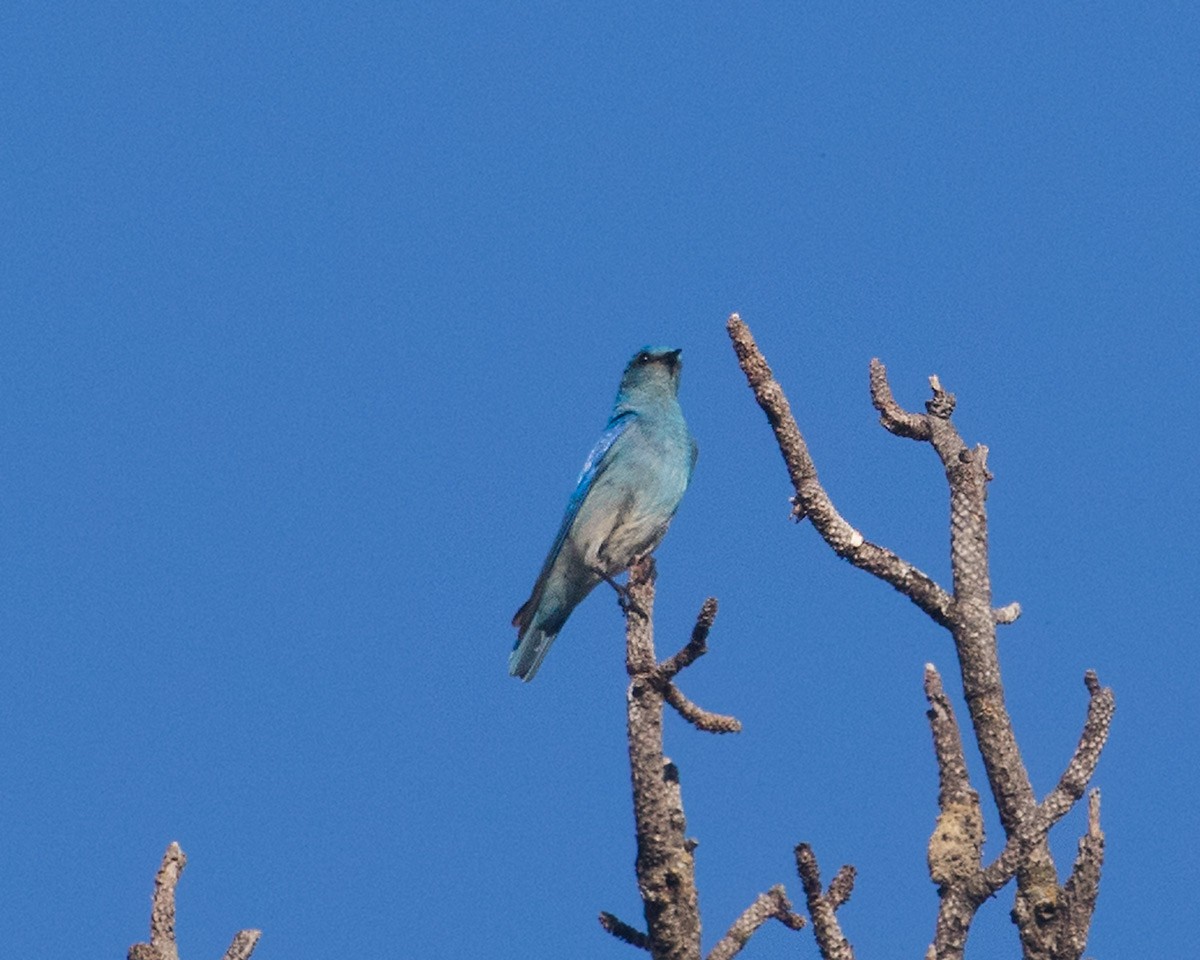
[627, 604]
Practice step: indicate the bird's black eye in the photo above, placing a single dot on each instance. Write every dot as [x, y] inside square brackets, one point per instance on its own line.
[643, 358]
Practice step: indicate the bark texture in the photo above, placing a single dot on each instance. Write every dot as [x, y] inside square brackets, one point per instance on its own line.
[162, 945]
[1052, 919]
[665, 863]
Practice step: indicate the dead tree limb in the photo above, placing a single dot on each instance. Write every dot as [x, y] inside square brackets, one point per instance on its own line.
[813, 502]
[774, 903]
[623, 931]
[956, 846]
[822, 906]
[1052, 920]
[665, 854]
[162, 945]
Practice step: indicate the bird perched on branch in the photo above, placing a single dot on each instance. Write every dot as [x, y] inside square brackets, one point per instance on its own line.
[628, 492]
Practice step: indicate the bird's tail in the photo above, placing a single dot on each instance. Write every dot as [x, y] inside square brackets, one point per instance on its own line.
[530, 651]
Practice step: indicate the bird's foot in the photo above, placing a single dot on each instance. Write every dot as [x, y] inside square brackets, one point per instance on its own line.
[624, 600]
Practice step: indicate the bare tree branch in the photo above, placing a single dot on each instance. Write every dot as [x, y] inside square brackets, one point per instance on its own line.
[162, 945]
[966, 469]
[698, 717]
[956, 845]
[812, 501]
[1066, 793]
[1082, 888]
[1061, 932]
[954, 785]
[841, 886]
[623, 931]
[973, 627]
[243, 945]
[162, 908]
[696, 647]
[822, 908]
[665, 855]
[895, 418]
[665, 864]
[773, 903]
[1047, 917]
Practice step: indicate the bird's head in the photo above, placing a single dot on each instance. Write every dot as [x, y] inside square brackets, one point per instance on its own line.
[653, 372]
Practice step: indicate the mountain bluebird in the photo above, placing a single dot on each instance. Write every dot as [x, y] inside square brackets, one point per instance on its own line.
[628, 492]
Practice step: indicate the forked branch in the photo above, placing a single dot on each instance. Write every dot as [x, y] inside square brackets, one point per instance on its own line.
[1048, 916]
[823, 905]
[162, 945]
[812, 501]
[665, 854]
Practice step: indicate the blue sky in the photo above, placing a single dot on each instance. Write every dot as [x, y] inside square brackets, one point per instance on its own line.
[311, 315]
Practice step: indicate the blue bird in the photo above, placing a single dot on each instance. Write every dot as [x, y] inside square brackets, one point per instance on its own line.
[628, 492]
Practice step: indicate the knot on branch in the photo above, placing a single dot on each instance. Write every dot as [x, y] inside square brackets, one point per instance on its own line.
[1036, 906]
[956, 846]
[799, 511]
[941, 405]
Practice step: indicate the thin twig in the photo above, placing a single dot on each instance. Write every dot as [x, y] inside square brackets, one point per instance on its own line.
[623, 931]
[698, 717]
[772, 904]
[841, 886]
[243, 945]
[697, 645]
[896, 419]
[1066, 793]
[822, 908]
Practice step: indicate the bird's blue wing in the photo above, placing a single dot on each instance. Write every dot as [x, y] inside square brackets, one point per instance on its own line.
[595, 465]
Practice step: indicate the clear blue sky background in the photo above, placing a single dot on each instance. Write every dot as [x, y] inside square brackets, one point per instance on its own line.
[311, 314]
